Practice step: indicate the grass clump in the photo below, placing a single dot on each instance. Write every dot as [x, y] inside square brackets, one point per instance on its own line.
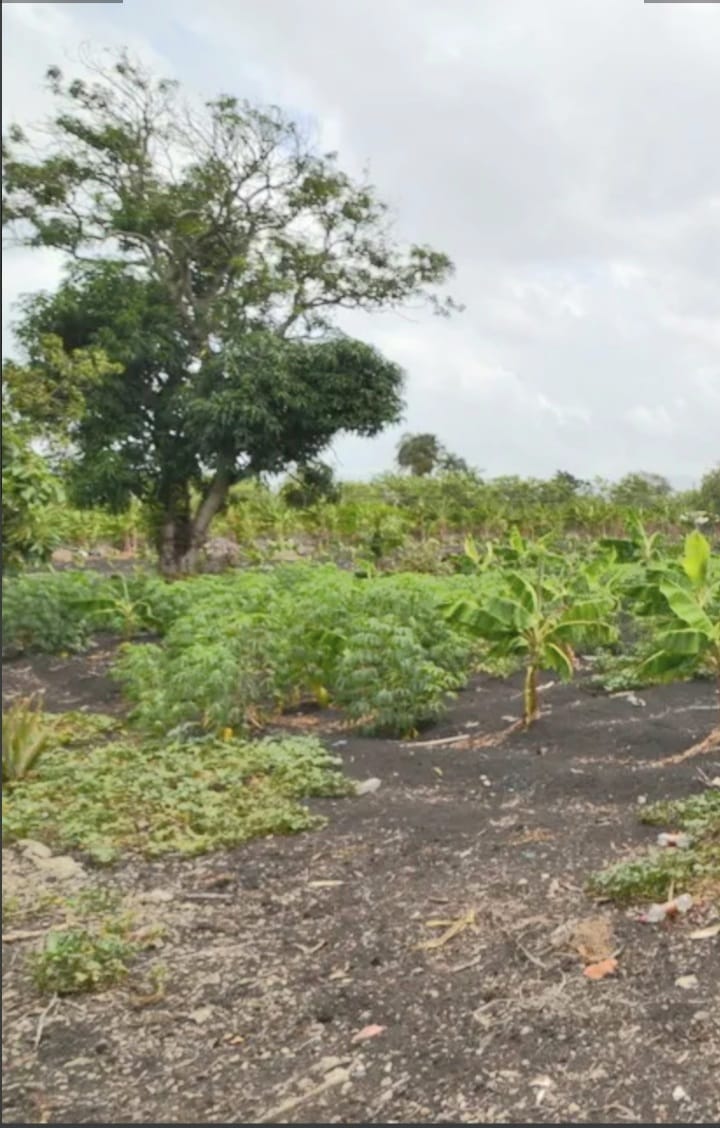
[26, 735]
[694, 869]
[76, 960]
[159, 797]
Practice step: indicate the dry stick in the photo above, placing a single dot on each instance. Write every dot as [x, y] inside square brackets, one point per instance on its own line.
[495, 738]
[335, 1077]
[514, 940]
[42, 1020]
[208, 897]
[436, 743]
[711, 743]
[16, 937]
[464, 966]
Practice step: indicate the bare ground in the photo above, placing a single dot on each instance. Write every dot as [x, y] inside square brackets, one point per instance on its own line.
[278, 954]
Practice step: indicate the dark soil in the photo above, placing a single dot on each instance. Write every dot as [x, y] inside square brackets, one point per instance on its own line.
[279, 953]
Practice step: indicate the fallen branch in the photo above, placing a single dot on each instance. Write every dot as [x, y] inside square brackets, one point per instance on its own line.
[494, 738]
[17, 937]
[436, 743]
[711, 743]
[208, 897]
[42, 1020]
[336, 1077]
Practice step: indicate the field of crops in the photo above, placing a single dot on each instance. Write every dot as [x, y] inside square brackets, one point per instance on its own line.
[151, 727]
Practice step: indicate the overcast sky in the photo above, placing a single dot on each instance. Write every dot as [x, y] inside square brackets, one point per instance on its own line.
[565, 155]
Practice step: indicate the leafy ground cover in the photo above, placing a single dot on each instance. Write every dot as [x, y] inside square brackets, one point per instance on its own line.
[164, 796]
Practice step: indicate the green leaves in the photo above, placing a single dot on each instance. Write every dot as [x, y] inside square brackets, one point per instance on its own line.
[26, 734]
[686, 606]
[536, 619]
[688, 620]
[163, 796]
[696, 558]
[206, 294]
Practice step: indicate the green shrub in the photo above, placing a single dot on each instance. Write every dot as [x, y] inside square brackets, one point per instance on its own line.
[652, 875]
[385, 680]
[44, 612]
[257, 642]
[76, 960]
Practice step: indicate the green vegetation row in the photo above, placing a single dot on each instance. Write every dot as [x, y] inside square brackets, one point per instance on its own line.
[396, 520]
[388, 649]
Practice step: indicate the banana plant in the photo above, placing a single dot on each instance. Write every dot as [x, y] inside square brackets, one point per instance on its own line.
[689, 635]
[537, 622]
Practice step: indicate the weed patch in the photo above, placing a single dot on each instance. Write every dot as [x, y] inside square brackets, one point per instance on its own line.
[172, 796]
[76, 960]
[685, 870]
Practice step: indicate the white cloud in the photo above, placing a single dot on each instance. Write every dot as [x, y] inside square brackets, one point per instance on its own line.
[567, 164]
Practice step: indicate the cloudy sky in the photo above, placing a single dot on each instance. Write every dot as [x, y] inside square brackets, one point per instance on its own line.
[563, 154]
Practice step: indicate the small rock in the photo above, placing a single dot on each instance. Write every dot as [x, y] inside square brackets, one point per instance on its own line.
[687, 982]
[367, 787]
[61, 868]
[31, 849]
[201, 1015]
[156, 896]
[679, 1094]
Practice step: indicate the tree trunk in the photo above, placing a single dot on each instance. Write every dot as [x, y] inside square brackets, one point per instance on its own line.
[182, 534]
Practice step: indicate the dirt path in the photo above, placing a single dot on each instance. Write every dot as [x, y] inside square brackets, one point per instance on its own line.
[278, 954]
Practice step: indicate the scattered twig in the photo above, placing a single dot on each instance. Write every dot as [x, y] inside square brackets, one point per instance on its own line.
[335, 1077]
[464, 966]
[387, 1095]
[208, 896]
[42, 1020]
[452, 928]
[711, 743]
[20, 935]
[705, 778]
[311, 951]
[518, 944]
[494, 738]
[436, 743]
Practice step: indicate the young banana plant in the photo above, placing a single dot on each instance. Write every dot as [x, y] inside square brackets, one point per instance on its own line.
[689, 634]
[538, 623]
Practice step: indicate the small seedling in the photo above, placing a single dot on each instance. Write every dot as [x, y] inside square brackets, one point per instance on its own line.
[25, 736]
[77, 960]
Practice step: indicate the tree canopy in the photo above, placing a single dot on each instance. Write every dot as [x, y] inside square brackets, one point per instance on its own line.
[422, 454]
[211, 248]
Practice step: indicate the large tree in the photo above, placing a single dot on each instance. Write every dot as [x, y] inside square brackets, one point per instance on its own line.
[212, 248]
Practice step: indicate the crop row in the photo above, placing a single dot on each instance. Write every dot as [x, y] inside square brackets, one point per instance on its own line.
[389, 650]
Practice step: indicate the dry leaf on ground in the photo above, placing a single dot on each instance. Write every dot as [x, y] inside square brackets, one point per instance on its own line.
[452, 928]
[592, 938]
[371, 1031]
[601, 970]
